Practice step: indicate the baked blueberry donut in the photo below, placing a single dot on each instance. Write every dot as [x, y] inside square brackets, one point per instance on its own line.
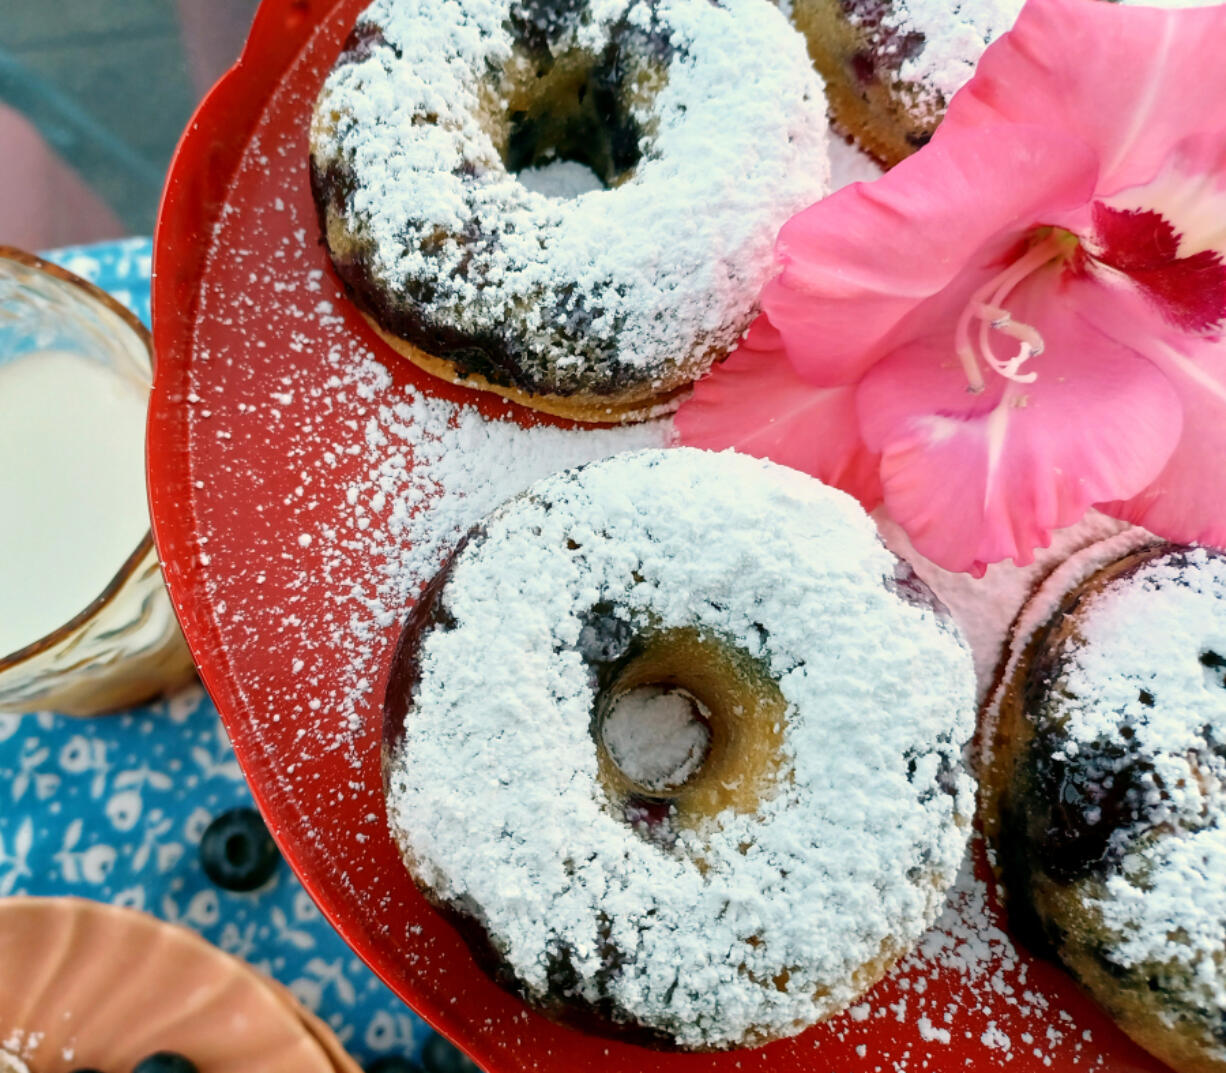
[892, 66]
[604, 306]
[679, 744]
[1105, 789]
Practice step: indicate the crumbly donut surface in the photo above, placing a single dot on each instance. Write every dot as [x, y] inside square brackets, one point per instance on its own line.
[755, 925]
[709, 122]
[1106, 796]
[892, 66]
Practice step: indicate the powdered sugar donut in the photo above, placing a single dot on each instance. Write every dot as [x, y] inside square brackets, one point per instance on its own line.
[1104, 795]
[892, 66]
[681, 743]
[605, 305]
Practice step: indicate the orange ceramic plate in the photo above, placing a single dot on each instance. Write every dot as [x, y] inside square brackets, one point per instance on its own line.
[90, 985]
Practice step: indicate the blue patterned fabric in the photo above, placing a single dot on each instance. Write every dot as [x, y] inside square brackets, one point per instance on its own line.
[113, 808]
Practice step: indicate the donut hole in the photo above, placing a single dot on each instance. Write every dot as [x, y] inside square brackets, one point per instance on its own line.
[658, 736]
[570, 126]
[687, 726]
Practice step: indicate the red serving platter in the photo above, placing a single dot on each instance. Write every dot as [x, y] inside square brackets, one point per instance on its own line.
[251, 327]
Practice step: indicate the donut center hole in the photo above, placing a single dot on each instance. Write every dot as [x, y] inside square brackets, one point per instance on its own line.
[561, 179]
[686, 724]
[658, 736]
[570, 129]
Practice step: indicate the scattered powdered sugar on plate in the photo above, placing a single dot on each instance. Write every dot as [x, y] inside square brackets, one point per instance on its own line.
[657, 736]
[431, 469]
[967, 943]
[561, 179]
[10, 1063]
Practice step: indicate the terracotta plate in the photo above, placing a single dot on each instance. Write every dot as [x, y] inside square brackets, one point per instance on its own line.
[90, 985]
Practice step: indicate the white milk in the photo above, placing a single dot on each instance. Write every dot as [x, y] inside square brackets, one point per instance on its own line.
[72, 488]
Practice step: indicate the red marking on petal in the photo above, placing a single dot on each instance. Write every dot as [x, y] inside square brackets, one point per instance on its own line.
[1190, 292]
[1134, 240]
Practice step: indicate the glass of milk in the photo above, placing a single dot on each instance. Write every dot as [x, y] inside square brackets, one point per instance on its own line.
[85, 622]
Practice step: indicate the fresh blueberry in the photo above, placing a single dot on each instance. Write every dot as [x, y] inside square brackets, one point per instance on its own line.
[393, 1063]
[439, 1056]
[164, 1062]
[237, 852]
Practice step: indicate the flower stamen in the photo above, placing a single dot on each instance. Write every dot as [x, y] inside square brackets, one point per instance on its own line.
[987, 307]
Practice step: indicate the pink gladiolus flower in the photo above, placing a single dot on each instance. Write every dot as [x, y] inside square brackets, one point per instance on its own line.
[1023, 320]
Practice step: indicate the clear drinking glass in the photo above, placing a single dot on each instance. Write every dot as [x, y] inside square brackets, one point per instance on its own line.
[123, 646]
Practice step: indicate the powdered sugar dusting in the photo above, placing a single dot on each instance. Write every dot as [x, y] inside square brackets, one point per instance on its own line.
[1121, 652]
[1153, 657]
[850, 164]
[954, 34]
[656, 736]
[436, 470]
[561, 179]
[1034, 608]
[985, 608]
[1168, 908]
[948, 37]
[647, 281]
[1144, 682]
[848, 856]
[10, 1063]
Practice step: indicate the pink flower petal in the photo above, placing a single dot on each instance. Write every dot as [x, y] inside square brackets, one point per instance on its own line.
[975, 479]
[1185, 501]
[1128, 81]
[857, 263]
[755, 403]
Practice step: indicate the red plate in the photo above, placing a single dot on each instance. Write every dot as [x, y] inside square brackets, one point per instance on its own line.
[247, 438]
